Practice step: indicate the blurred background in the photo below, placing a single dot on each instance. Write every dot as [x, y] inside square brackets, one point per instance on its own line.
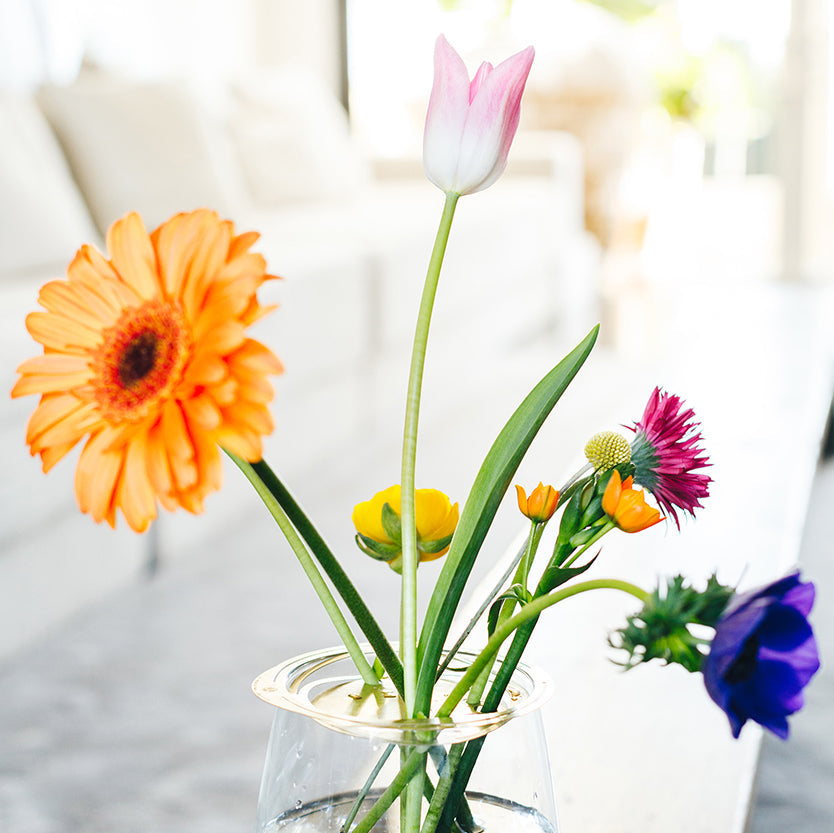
[673, 178]
[666, 147]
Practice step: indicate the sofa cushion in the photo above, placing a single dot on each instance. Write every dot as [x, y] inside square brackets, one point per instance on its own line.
[43, 219]
[293, 139]
[146, 147]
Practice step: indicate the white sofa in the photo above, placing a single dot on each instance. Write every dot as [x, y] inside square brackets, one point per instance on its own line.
[351, 240]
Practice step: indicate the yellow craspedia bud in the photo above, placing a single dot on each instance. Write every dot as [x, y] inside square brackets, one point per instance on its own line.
[607, 449]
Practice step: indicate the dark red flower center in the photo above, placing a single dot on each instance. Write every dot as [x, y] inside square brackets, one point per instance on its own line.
[138, 358]
[141, 361]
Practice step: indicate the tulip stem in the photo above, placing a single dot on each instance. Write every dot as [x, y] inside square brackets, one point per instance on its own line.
[410, 561]
[408, 623]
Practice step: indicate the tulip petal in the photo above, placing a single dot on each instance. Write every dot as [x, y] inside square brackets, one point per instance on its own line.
[491, 123]
[446, 116]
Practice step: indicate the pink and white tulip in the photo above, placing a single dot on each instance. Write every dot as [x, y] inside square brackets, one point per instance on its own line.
[471, 125]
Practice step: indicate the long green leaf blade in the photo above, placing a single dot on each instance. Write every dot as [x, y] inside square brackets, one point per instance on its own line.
[486, 494]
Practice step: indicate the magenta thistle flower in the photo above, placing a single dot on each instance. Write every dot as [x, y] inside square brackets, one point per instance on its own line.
[666, 452]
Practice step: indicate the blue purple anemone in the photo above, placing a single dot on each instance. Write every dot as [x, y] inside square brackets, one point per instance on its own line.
[763, 655]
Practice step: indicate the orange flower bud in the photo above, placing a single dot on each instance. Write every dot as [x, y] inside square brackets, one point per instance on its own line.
[541, 504]
[626, 506]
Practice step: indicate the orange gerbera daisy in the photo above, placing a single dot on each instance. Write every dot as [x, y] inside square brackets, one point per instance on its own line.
[146, 355]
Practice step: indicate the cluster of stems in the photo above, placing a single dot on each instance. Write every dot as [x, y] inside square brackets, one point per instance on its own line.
[513, 614]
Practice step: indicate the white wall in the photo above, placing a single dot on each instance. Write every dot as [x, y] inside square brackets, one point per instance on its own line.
[45, 40]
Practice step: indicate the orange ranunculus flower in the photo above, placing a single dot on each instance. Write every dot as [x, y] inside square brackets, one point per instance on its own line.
[146, 356]
[541, 504]
[627, 507]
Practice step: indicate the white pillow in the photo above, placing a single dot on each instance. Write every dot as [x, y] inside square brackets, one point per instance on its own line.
[143, 147]
[43, 219]
[293, 139]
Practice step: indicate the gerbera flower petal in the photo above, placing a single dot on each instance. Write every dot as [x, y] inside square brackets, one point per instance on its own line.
[256, 358]
[97, 475]
[206, 368]
[202, 411]
[61, 333]
[135, 494]
[242, 243]
[93, 269]
[54, 454]
[175, 432]
[62, 297]
[222, 338]
[256, 392]
[226, 393]
[146, 355]
[59, 420]
[211, 255]
[249, 416]
[179, 244]
[98, 287]
[52, 373]
[240, 441]
[159, 467]
[133, 257]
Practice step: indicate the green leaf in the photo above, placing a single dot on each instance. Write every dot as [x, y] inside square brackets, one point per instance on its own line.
[334, 570]
[516, 593]
[569, 524]
[555, 576]
[491, 483]
[568, 493]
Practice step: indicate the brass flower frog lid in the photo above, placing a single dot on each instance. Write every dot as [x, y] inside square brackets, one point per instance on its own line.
[324, 686]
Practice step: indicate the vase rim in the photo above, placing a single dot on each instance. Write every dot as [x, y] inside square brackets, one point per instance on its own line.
[297, 684]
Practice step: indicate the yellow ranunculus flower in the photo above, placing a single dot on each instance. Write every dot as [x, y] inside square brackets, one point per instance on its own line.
[377, 523]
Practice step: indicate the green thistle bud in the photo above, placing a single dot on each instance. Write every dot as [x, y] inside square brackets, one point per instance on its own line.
[607, 449]
[662, 629]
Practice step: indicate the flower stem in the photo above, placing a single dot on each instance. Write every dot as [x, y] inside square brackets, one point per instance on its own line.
[604, 530]
[366, 787]
[476, 617]
[536, 530]
[408, 622]
[334, 571]
[529, 611]
[309, 567]
[574, 479]
[441, 791]
[410, 766]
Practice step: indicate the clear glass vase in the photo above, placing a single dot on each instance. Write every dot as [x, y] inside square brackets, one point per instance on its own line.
[330, 734]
